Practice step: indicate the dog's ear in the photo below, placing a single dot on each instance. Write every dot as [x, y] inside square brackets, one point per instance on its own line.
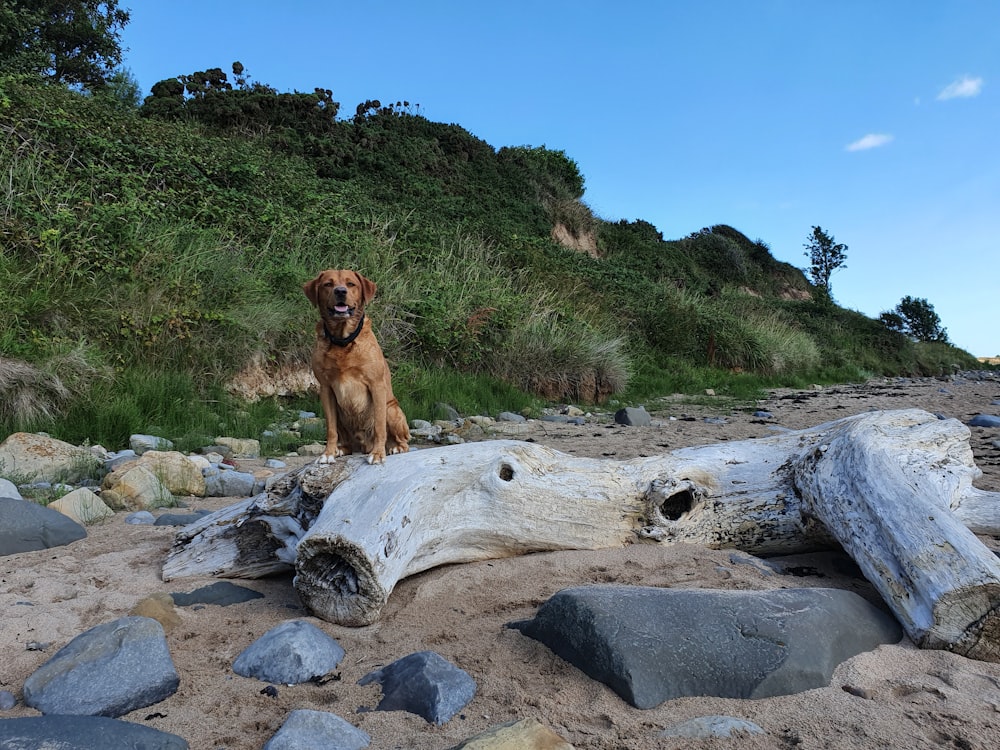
[311, 288]
[368, 287]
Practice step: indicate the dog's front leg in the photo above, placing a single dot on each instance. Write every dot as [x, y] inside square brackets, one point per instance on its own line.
[332, 450]
[377, 454]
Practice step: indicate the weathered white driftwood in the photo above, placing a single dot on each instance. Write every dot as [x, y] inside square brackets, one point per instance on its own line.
[352, 531]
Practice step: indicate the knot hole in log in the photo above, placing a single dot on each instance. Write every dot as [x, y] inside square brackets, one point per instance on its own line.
[668, 501]
[506, 472]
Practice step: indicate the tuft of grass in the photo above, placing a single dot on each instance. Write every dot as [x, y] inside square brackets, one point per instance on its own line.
[419, 389]
[562, 359]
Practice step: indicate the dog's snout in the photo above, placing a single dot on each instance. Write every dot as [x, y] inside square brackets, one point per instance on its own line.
[340, 292]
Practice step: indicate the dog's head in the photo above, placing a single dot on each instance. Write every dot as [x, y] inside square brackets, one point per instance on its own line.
[339, 294]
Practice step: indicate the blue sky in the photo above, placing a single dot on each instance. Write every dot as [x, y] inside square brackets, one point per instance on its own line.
[878, 120]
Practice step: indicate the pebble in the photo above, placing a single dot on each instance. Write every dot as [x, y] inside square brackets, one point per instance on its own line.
[984, 420]
[306, 730]
[291, 653]
[705, 727]
[424, 683]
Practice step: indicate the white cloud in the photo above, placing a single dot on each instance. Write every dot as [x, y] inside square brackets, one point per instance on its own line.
[872, 140]
[963, 88]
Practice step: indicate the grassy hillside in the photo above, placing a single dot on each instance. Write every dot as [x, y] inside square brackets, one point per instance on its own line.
[151, 255]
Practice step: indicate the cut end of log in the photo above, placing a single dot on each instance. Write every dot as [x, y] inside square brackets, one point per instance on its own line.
[336, 582]
[968, 623]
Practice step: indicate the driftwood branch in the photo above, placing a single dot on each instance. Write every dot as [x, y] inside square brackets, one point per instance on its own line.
[876, 483]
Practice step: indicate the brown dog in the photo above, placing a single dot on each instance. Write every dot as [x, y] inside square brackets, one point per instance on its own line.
[355, 387]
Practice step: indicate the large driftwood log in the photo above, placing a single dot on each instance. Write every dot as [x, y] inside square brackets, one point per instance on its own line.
[875, 483]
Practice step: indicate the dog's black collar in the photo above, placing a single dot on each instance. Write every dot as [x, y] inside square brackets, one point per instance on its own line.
[347, 339]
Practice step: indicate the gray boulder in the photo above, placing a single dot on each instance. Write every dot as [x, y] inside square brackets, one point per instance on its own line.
[633, 416]
[650, 645]
[26, 526]
[424, 683]
[108, 670]
[42, 458]
[293, 652]
[308, 730]
[83, 733]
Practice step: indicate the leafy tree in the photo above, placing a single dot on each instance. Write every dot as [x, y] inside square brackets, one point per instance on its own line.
[122, 89]
[825, 255]
[915, 317]
[75, 42]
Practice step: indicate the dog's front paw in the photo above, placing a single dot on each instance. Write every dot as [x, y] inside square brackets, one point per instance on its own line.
[403, 448]
[326, 458]
[376, 457]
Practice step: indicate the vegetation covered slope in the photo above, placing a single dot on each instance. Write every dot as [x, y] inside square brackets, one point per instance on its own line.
[152, 254]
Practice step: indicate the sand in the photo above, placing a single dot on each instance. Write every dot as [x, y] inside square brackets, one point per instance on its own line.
[894, 697]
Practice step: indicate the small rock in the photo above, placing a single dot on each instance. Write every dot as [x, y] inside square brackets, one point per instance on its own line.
[228, 483]
[180, 519]
[291, 653]
[311, 450]
[7, 700]
[424, 683]
[108, 670]
[42, 458]
[307, 730]
[142, 443]
[527, 734]
[240, 447]
[211, 451]
[179, 474]
[423, 430]
[444, 411]
[509, 416]
[704, 727]
[984, 420]
[26, 526]
[633, 416]
[160, 607]
[221, 593]
[141, 518]
[135, 488]
[9, 489]
[115, 460]
[273, 463]
[83, 506]
[763, 415]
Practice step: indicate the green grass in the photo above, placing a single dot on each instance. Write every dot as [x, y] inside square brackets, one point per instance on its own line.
[149, 256]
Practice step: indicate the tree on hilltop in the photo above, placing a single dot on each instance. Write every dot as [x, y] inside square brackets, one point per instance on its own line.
[915, 317]
[74, 42]
[825, 255]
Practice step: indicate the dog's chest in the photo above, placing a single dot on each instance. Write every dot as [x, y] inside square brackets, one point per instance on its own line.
[352, 396]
